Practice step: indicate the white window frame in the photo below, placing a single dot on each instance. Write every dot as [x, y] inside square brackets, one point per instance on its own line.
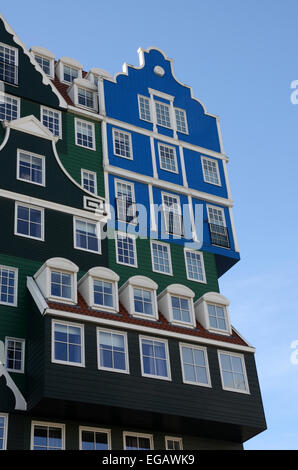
[79, 70]
[165, 304]
[129, 140]
[5, 416]
[185, 119]
[22, 341]
[40, 209]
[56, 297]
[216, 169]
[150, 110]
[68, 363]
[178, 213]
[170, 114]
[199, 348]
[114, 295]
[200, 253]
[15, 294]
[168, 246]
[18, 101]
[95, 180]
[16, 64]
[191, 311]
[227, 330]
[95, 430]
[43, 170]
[174, 439]
[47, 424]
[93, 134]
[111, 369]
[138, 434]
[209, 206]
[94, 97]
[86, 287]
[133, 237]
[241, 356]
[154, 315]
[202, 312]
[51, 61]
[97, 231]
[165, 342]
[133, 201]
[161, 144]
[46, 108]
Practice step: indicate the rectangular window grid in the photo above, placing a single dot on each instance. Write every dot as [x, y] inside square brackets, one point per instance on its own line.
[173, 443]
[218, 231]
[195, 367]
[168, 158]
[52, 120]
[67, 343]
[180, 309]
[134, 442]
[233, 372]
[144, 108]
[69, 74]
[94, 439]
[112, 351]
[210, 170]
[154, 358]
[47, 437]
[143, 302]
[29, 222]
[181, 123]
[15, 354]
[172, 213]
[31, 168]
[85, 134]
[89, 181]
[122, 144]
[86, 235]
[61, 285]
[8, 64]
[85, 98]
[9, 108]
[126, 250]
[103, 293]
[163, 114]
[7, 286]
[125, 202]
[45, 64]
[161, 258]
[217, 317]
[3, 432]
[195, 266]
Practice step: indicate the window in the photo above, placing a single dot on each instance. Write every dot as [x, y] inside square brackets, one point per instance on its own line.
[8, 64]
[61, 285]
[217, 225]
[161, 258]
[15, 354]
[8, 285]
[212, 312]
[210, 171]
[172, 214]
[233, 373]
[122, 144]
[69, 74]
[135, 441]
[85, 98]
[167, 158]
[9, 107]
[88, 181]
[126, 249]
[112, 351]
[31, 168]
[85, 134]
[45, 64]
[103, 293]
[143, 301]
[87, 236]
[138, 296]
[155, 358]
[144, 108]
[194, 263]
[47, 436]
[181, 309]
[29, 222]
[194, 364]
[68, 343]
[3, 431]
[52, 120]
[125, 202]
[95, 439]
[181, 123]
[217, 317]
[173, 443]
[163, 114]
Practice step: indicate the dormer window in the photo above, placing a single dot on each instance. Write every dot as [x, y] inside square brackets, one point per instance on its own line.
[212, 312]
[45, 59]
[68, 69]
[57, 280]
[85, 98]
[138, 295]
[176, 304]
[69, 74]
[99, 287]
[83, 93]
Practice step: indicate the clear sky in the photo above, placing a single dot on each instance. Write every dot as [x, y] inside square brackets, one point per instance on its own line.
[240, 58]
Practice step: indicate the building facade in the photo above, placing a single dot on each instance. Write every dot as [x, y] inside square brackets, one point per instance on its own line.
[118, 224]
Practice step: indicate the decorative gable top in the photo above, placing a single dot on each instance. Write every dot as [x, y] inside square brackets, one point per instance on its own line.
[31, 125]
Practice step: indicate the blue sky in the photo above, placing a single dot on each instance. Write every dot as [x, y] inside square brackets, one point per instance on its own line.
[240, 58]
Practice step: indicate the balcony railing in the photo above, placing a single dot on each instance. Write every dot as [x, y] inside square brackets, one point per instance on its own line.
[219, 235]
[8, 73]
[126, 211]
